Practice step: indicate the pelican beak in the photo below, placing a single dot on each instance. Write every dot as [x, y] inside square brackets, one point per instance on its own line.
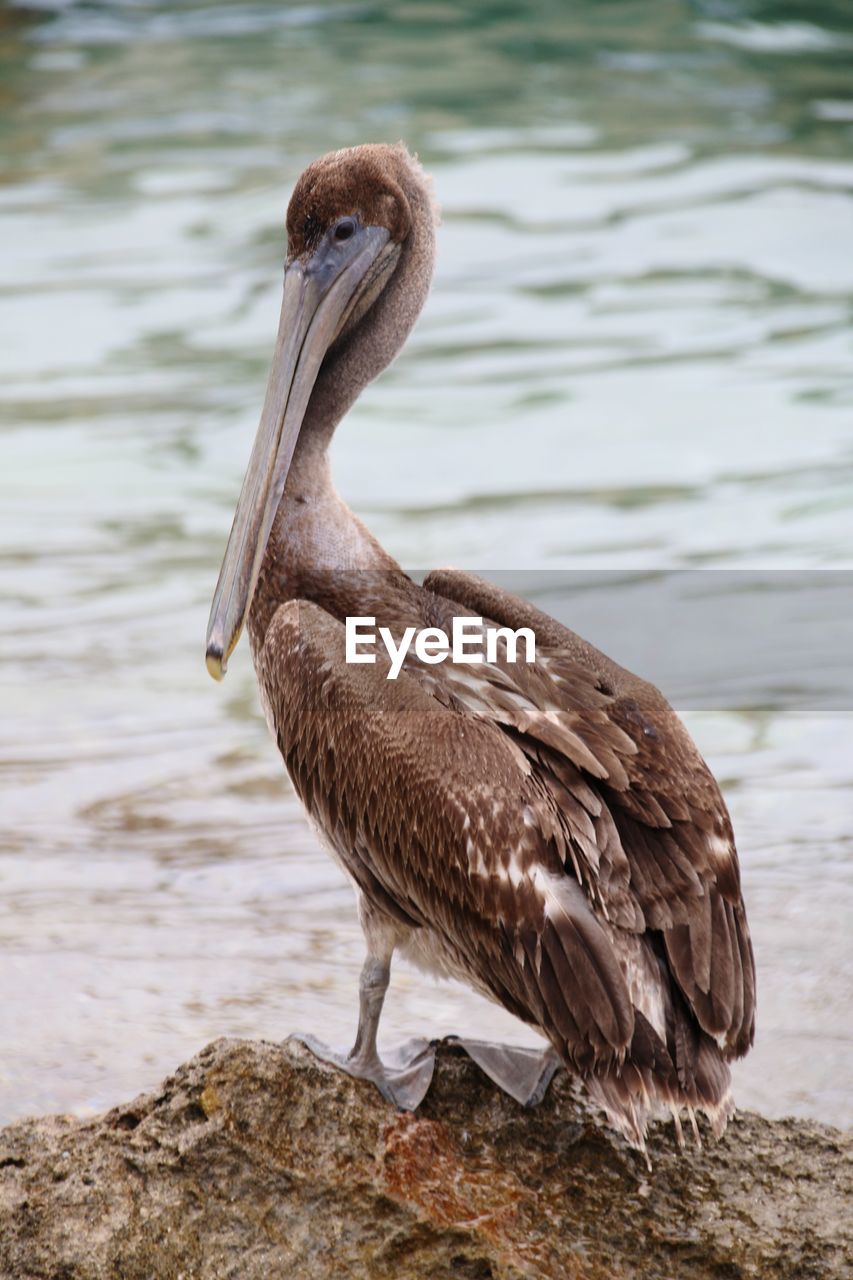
[319, 295]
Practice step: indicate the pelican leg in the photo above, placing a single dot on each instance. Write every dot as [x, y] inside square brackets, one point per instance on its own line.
[406, 1075]
[372, 985]
[404, 1078]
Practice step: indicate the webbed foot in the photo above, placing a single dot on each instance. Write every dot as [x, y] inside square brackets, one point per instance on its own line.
[403, 1078]
[523, 1073]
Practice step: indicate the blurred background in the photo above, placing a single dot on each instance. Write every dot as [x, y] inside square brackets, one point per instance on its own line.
[636, 358]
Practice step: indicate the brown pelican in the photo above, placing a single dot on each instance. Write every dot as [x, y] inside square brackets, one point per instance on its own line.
[545, 830]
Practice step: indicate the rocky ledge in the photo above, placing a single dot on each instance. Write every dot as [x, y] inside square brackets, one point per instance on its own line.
[256, 1160]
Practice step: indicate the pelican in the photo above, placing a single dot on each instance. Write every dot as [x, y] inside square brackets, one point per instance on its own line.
[544, 830]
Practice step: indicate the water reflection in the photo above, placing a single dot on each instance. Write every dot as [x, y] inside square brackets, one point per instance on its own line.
[636, 356]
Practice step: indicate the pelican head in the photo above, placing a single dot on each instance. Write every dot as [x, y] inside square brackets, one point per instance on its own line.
[347, 221]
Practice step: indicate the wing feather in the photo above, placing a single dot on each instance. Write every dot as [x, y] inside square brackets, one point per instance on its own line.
[663, 855]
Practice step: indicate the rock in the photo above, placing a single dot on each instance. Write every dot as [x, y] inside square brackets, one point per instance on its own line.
[257, 1160]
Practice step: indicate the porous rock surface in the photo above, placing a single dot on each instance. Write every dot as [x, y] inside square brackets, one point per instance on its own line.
[257, 1161]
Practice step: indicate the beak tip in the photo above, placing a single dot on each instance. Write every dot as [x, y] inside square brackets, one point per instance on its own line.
[216, 661]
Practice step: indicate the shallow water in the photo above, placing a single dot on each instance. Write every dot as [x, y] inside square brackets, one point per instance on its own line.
[636, 357]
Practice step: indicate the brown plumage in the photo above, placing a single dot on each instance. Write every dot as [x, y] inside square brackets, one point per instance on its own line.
[333, 186]
[545, 831]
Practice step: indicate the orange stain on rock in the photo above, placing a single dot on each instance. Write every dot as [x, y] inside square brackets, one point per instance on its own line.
[424, 1164]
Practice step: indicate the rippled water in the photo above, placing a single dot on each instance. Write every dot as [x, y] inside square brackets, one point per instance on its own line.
[636, 356]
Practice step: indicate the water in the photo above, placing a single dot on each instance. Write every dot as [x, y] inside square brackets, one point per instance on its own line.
[636, 356]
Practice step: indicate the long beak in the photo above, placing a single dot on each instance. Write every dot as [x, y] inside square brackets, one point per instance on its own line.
[317, 300]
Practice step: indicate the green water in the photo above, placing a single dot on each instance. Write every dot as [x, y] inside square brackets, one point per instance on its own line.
[637, 355]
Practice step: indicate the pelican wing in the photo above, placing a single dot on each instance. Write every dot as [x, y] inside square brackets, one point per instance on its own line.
[646, 829]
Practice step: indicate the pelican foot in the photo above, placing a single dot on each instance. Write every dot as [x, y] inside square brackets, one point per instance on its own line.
[524, 1074]
[403, 1078]
[405, 1075]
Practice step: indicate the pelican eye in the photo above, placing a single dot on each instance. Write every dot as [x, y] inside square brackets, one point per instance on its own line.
[345, 229]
